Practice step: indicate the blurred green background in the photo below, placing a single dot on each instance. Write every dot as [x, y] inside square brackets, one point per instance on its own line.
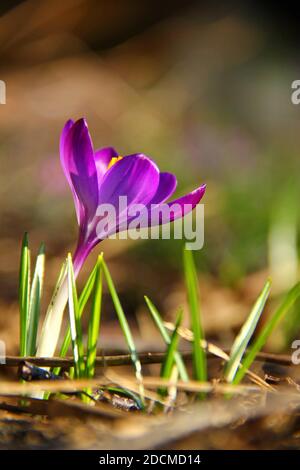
[204, 88]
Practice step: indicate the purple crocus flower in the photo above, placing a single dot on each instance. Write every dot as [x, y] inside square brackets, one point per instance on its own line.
[99, 177]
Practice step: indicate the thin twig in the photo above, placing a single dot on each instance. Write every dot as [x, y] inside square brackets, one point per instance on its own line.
[70, 386]
[191, 386]
[125, 359]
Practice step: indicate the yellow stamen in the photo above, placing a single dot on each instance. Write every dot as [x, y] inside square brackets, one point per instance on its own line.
[113, 161]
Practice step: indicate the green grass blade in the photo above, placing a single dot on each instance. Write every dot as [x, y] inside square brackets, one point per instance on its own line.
[88, 287]
[241, 342]
[124, 325]
[94, 322]
[84, 297]
[199, 356]
[35, 302]
[165, 335]
[24, 292]
[75, 324]
[281, 311]
[167, 365]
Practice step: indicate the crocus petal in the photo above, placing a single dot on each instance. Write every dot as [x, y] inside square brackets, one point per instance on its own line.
[78, 157]
[166, 187]
[175, 209]
[135, 176]
[102, 159]
[185, 204]
[63, 135]
[78, 206]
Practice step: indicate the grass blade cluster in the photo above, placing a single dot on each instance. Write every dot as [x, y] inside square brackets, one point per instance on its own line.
[75, 323]
[241, 342]
[265, 333]
[35, 302]
[124, 324]
[165, 336]
[94, 322]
